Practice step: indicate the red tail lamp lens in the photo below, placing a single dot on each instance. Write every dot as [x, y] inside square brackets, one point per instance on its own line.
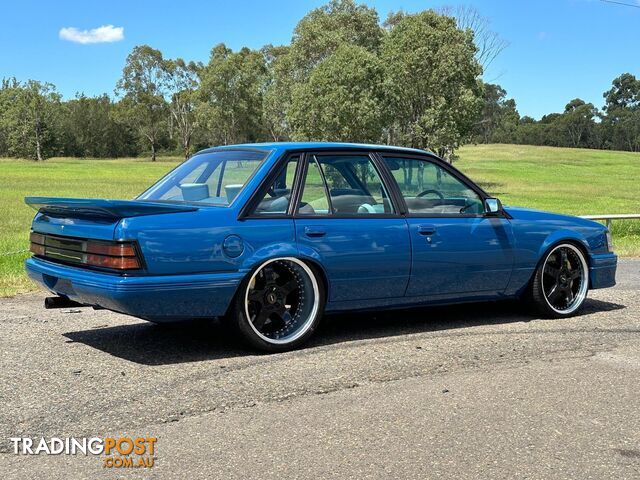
[37, 243]
[111, 249]
[36, 238]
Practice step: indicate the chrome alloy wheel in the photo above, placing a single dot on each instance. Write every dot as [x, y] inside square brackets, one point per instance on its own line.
[565, 279]
[282, 300]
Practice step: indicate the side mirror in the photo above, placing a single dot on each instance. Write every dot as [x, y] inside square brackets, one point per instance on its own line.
[492, 206]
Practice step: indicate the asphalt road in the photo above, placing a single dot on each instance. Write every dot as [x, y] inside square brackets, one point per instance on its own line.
[481, 391]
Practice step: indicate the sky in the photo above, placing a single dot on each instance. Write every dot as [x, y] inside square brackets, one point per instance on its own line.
[558, 49]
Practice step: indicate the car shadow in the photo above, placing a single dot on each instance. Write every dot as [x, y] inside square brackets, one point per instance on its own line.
[149, 344]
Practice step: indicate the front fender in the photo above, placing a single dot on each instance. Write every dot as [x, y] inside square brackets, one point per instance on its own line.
[563, 235]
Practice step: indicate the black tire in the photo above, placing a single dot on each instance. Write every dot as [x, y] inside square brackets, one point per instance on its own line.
[561, 282]
[292, 315]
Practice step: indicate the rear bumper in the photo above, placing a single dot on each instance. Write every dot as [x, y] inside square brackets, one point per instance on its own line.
[602, 270]
[156, 298]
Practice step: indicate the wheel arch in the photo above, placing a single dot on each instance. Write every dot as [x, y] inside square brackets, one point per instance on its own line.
[563, 236]
[552, 241]
[270, 252]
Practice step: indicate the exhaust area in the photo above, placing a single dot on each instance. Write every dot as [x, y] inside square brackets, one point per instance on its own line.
[60, 302]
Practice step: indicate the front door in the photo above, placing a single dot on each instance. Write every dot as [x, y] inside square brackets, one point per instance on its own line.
[346, 220]
[456, 248]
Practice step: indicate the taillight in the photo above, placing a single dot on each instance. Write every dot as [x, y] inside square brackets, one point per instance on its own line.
[37, 243]
[117, 255]
[111, 249]
[97, 253]
[36, 249]
[119, 263]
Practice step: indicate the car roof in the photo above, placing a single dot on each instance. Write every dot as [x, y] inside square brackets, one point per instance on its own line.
[283, 146]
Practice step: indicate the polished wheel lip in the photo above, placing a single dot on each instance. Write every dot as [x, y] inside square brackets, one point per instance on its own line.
[312, 315]
[584, 286]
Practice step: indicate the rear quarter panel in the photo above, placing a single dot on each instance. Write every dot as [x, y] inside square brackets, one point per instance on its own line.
[193, 242]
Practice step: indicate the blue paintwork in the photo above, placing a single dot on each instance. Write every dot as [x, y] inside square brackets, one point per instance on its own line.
[196, 256]
[367, 257]
[159, 298]
[96, 207]
[462, 255]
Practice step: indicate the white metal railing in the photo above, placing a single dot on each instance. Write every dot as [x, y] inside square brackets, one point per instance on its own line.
[615, 216]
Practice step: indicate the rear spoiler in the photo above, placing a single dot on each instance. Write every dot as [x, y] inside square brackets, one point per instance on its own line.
[94, 207]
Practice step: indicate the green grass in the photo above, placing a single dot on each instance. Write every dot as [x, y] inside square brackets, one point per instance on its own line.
[572, 181]
[64, 177]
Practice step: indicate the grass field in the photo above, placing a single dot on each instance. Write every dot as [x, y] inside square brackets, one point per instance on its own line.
[572, 181]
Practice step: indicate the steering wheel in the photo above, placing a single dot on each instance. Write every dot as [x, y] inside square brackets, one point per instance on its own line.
[427, 192]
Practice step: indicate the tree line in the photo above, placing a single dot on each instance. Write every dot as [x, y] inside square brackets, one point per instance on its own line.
[413, 80]
[616, 126]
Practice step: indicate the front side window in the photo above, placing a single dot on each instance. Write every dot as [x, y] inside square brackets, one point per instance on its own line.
[213, 178]
[343, 185]
[429, 189]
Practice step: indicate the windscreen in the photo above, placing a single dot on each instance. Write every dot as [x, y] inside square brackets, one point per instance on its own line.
[213, 178]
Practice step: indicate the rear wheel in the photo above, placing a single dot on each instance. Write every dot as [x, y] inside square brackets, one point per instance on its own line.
[279, 306]
[560, 285]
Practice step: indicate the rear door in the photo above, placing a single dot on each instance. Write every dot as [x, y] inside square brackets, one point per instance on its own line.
[345, 218]
[457, 249]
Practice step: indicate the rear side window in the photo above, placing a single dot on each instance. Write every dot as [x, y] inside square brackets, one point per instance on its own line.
[276, 199]
[343, 185]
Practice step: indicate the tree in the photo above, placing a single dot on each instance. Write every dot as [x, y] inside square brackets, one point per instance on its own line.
[578, 120]
[498, 117]
[488, 43]
[89, 129]
[143, 88]
[342, 99]
[622, 119]
[432, 78]
[181, 80]
[277, 94]
[231, 94]
[29, 116]
[323, 30]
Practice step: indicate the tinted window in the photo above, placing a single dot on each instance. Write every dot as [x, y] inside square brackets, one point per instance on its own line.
[428, 188]
[276, 199]
[343, 185]
[314, 197]
[215, 178]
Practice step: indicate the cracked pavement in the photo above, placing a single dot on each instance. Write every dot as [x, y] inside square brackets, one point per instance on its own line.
[475, 391]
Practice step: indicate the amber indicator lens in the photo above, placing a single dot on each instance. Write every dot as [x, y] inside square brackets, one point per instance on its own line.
[119, 263]
[36, 249]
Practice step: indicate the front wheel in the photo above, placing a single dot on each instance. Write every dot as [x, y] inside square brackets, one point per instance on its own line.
[279, 306]
[559, 287]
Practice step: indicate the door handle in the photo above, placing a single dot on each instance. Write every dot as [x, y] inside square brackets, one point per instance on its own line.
[426, 229]
[314, 231]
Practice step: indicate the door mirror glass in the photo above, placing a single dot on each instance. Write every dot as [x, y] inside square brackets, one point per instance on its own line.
[492, 205]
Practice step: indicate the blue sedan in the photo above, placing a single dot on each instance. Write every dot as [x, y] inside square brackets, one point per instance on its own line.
[270, 236]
